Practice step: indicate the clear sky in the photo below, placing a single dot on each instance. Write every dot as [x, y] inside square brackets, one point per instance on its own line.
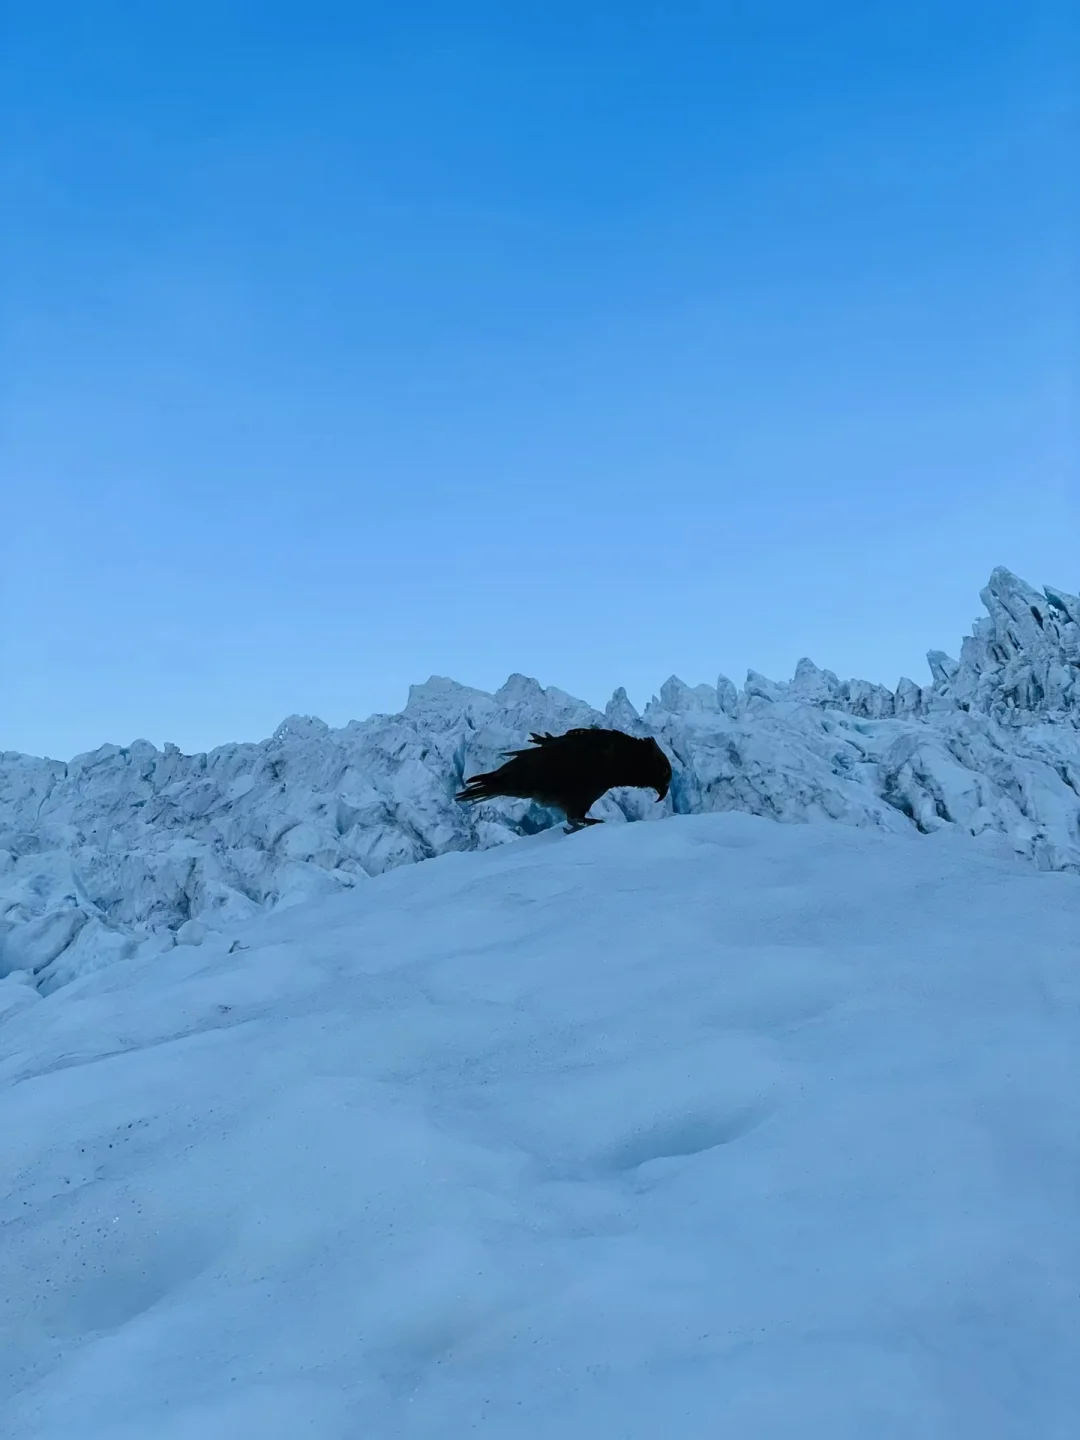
[344, 344]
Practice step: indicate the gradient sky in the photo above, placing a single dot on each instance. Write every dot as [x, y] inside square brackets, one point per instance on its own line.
[343, 344]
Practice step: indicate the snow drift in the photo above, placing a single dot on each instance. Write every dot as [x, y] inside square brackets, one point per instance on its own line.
[132, 850]
[711, 1128]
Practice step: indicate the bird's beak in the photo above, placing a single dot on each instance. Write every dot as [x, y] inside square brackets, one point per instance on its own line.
[661, 795]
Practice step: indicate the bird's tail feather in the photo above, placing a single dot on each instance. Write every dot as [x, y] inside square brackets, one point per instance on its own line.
[480, 787]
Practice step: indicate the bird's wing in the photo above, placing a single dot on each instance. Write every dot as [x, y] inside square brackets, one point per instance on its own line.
[571, 738]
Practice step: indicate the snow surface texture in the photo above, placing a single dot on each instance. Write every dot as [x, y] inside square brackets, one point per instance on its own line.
[716, 1128]
[131, 850]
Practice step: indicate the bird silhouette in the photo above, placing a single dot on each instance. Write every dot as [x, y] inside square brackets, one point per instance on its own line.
[570, 772]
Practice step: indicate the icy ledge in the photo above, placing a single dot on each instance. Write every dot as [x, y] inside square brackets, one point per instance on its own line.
[133, 849]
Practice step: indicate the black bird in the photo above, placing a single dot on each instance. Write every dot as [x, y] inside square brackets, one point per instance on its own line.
[570, 772]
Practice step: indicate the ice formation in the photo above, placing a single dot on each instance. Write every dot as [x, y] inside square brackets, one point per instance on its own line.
[130, 849]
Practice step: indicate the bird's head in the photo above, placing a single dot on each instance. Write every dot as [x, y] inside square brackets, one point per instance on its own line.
[660, 771]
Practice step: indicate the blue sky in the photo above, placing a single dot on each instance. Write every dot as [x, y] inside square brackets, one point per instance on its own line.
[344, 344]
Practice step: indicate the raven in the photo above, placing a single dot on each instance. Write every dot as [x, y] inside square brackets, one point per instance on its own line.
[570, 772]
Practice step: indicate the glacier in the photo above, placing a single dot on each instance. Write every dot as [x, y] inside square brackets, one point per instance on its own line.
[129, 851]
[717, 1127]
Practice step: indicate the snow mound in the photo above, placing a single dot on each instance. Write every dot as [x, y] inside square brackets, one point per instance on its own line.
[131, 850]
[714, 1128]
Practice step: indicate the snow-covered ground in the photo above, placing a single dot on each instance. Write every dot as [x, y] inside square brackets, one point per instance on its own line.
[710, 1128]
[132, 850]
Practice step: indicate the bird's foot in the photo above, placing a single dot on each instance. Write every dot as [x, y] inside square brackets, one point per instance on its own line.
[573, 826]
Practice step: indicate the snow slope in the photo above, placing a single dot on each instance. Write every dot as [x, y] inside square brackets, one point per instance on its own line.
[130, 850]
[711, 1128]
